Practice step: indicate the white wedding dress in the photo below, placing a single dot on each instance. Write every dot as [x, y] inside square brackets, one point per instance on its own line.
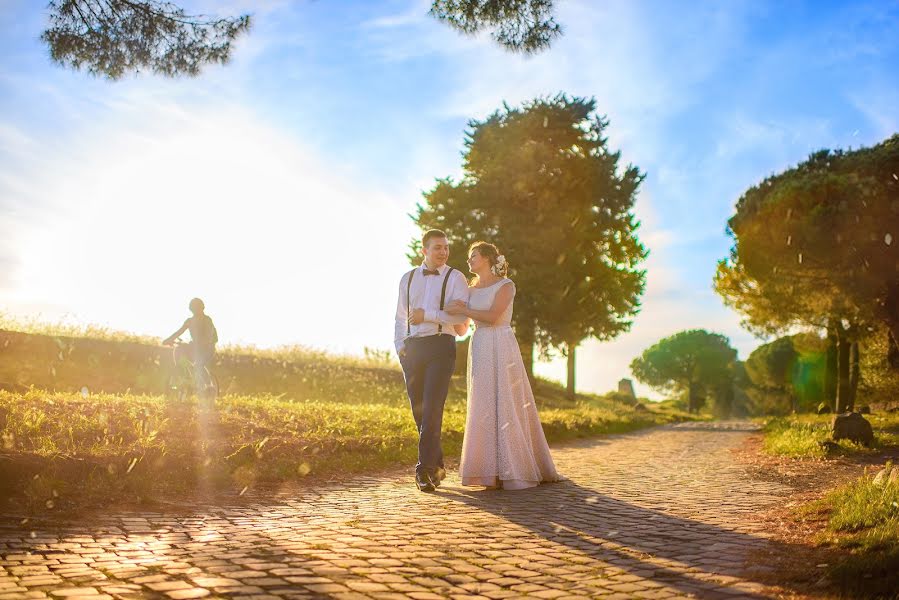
[504, 442]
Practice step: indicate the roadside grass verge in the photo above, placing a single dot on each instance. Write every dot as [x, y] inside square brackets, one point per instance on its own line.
[799, 436]
[62, 450]
[284, 414]
[861, 522]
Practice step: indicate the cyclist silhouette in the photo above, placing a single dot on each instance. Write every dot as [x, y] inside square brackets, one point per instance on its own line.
[200, 352]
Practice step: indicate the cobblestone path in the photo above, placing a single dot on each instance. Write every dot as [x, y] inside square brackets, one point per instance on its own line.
[662, 513]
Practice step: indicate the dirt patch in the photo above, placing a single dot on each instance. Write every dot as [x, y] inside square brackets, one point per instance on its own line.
[805, 475]
[804, 568]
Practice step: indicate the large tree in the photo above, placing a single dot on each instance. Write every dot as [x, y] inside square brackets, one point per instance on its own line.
[113, 38]
[542, 184]
[814, 247]
[694, 362]
[597, 290]
[864, 230]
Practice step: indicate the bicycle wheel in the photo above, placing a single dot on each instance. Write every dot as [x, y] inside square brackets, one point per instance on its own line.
[214, 385]
[205, 385]
[174, 389]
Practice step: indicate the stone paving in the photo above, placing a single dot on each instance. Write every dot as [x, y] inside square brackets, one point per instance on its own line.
[661, 513]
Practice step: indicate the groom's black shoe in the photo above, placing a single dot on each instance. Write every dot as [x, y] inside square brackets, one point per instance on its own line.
[423, 481]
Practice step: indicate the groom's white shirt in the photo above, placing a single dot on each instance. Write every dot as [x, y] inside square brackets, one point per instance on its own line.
[425, 293]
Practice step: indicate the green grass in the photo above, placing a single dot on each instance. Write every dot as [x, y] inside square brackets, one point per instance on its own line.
[860, 520]
[284, 414]
[62, 450]
[799, 436]
[133, 367]
[862, 523]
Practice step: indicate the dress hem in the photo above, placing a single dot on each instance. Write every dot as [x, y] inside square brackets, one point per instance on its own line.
[508, 484]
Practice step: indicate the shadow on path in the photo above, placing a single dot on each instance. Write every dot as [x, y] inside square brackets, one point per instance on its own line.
[325, 541]
[690, 556]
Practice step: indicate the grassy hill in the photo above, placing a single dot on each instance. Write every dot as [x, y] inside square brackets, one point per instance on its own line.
[284, 414]
[122, 364]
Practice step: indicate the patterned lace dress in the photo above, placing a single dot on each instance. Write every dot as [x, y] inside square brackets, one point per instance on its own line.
[504, 441]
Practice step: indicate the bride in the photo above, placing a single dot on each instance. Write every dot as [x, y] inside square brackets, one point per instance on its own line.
[504, 446]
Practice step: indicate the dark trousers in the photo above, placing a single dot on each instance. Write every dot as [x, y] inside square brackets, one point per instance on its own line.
[427, 367]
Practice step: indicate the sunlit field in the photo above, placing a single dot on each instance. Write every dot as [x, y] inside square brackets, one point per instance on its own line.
[87, 421]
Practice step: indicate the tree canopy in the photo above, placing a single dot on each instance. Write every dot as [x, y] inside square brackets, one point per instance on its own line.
[542, 184]
[772, 365]
[694, 361]
[788, 374]
[526, 26]
[114, 38]
[815, 247]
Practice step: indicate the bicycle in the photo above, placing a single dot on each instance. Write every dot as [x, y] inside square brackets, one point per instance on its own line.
[185, 379]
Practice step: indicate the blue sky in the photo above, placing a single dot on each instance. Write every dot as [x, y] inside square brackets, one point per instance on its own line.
[278, 186]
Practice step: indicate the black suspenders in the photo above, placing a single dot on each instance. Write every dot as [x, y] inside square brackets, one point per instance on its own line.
[443, 295]
[409, 303]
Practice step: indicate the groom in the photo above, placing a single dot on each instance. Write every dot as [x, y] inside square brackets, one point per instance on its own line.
[425, 341]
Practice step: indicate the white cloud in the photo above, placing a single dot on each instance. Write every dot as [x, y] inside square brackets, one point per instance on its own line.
[413, 15]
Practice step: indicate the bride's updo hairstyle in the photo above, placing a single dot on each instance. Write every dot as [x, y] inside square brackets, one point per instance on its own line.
[498, 263]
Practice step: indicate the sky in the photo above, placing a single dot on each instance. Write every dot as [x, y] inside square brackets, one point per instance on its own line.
[278, 187]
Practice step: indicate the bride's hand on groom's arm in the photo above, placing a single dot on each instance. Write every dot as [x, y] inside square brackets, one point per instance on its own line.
[457, 307]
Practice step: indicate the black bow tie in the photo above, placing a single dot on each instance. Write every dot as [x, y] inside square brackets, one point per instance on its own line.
[430, 272]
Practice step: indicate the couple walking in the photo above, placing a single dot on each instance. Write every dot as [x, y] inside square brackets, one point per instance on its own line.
[504, 446]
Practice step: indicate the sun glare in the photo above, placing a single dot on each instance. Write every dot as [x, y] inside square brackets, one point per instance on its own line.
[282, 250]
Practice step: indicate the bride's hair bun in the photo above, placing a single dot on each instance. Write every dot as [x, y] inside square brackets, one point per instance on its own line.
[498, 263]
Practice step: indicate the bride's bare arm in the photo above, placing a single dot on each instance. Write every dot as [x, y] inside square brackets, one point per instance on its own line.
[500, 303]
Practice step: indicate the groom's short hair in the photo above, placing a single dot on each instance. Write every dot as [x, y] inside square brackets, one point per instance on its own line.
[429, 235]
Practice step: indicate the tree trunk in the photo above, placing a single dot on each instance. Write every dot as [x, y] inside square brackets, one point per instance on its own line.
[891, 318]
[570, 388]
[691, 398]
[726, 400]
[830, 371]
[843, 351]
[893, 349]
[854, 373]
